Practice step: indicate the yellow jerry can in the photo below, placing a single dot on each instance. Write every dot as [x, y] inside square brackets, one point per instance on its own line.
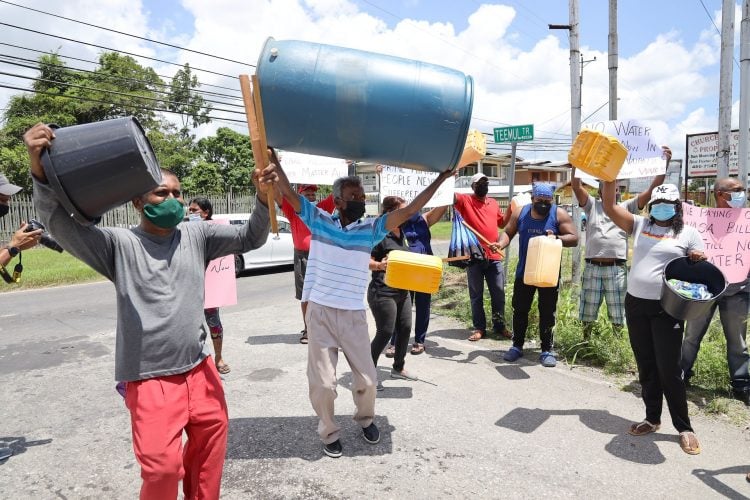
[597, 154]
[474, 149]
[413, 271]
[543, 262]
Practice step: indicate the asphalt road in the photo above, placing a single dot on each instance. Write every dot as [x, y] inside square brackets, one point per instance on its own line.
[474, 427]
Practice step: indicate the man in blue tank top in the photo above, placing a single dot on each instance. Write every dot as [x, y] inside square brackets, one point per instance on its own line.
[541, 218]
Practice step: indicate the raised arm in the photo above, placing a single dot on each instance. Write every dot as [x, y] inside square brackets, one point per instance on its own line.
[577, 186]
[435, 214]
[658, 180]
[274, 173]
[615, 212]
[398, 217]
[511, 228]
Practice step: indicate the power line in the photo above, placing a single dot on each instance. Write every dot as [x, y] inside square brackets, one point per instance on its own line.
[128, 34]
[113, 50]
[112, 92]
[108, 77]
[97, 63]
[99, 101]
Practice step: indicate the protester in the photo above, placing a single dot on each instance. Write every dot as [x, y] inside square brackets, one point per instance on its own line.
[391, 307]
[541, 217]
[417, 233]
[733, 305]
[655, 336]
[201, 209]
[301, 240]
[335, 290]
[172, 385]
[484, 215]
[21, 240]
[605, 271]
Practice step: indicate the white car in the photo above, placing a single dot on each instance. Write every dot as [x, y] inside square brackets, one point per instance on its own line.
[274, 252]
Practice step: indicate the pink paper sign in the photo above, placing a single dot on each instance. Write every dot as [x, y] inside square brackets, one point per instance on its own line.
[726, 237]
[221, 283]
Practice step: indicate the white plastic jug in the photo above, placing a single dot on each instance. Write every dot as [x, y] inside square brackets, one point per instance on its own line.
[543, 262]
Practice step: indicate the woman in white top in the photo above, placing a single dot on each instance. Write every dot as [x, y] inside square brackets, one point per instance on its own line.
[655, 336]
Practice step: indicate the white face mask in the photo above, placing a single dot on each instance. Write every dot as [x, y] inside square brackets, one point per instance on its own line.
[194, 217]
[737, 199]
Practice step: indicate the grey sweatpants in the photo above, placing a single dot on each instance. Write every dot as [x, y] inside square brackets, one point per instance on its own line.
[327, 330]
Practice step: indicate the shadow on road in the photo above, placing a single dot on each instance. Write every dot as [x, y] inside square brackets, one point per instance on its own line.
[642, 449]
[393, 388]
[297, 437]
[512, 372]
[710, 479]
[19, 445]
[280, 338]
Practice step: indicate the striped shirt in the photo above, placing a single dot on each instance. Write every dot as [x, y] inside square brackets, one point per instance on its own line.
[338, 266]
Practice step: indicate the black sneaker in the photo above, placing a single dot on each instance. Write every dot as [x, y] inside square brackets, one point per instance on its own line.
[371, 434]
[334, 449]
[743, 395]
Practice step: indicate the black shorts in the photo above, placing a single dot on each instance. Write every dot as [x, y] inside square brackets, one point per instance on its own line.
[300, 268]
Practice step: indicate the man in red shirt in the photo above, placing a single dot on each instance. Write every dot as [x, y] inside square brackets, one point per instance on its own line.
[484, 215]
[301, 239]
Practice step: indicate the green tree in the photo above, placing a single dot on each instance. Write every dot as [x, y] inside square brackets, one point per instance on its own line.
[184, 99]
[204, 178]
[232, 154]
[174, 150]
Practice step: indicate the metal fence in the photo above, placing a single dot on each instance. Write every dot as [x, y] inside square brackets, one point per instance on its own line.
[22, 209]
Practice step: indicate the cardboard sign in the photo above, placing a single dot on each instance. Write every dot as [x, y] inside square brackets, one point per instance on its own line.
[310, 169]
[406, 183]
[726, 237]
[221, 282]
[644, 153]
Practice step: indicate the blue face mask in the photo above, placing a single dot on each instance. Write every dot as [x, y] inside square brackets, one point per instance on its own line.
[738, 199]
[663, 211]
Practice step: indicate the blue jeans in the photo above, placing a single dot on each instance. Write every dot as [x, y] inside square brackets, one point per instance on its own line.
[492, 272]
[733, 311]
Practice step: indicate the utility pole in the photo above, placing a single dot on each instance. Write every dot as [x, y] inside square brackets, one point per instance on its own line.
[742, 147]
[725, 87]
[612, 48]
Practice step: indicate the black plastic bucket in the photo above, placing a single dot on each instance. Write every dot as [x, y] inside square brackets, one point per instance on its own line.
[702, 272]
[96, 167]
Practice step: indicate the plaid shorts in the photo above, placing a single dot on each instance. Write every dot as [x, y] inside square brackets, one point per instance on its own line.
[608, 282]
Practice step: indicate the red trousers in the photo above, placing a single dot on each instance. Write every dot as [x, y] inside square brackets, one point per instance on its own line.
[161, 409]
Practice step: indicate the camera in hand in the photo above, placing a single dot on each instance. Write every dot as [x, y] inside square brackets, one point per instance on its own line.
[46, 240]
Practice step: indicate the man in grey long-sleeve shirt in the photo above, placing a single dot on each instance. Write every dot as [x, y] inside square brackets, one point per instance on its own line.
[158, 270]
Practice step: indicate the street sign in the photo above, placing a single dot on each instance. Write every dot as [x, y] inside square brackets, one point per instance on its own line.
[516, 133]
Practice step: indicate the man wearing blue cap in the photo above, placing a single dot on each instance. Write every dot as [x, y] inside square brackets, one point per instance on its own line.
[542, 217]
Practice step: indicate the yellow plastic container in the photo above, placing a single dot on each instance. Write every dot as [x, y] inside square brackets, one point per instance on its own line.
[597, 154]
[543, 262]
[474, 149]
[414, 271]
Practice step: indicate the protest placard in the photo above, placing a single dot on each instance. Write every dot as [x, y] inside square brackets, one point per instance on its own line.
[310, 169]
[726, 237]
[407, 183]
[644, 153]
[221, 282]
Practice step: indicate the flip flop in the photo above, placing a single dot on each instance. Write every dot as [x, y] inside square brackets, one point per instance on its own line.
[689, 443]
[223, 368]
[476, 335]
[643, 428]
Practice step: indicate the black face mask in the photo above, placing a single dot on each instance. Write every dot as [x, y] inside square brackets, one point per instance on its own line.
[354, 210]
[542, 207]
[4, 210]
[481, 189]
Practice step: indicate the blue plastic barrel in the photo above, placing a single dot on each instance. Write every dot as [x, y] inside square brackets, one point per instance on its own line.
[345, 103]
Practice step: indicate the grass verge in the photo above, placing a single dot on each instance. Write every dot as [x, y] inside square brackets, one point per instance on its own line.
[43, 267]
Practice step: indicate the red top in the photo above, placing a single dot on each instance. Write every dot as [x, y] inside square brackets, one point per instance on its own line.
[300, 234]
[484, 216]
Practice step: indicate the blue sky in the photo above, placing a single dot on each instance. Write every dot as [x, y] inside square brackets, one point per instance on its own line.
[668, 71]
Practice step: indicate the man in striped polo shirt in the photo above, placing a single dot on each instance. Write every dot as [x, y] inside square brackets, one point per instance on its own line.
[335, 286]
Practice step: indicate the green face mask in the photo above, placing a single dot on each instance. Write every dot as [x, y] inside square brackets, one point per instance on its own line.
[166, 214]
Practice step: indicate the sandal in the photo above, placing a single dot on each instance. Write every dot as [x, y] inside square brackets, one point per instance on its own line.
[223, 368]
[689, 443]
[390, 351]
[643, 428]
[303, 338]
[417, 348]
[476, 335]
